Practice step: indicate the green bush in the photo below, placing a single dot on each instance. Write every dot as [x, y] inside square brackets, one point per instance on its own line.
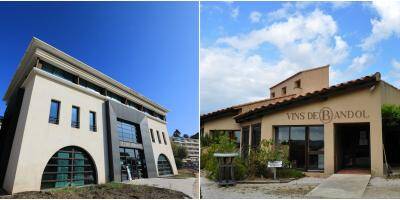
[391, 115]
[289, 173]
[258, 158]
[220, 144]
[178, 163]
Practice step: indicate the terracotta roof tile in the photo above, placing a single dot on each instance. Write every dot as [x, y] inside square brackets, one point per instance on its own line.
[318, 93]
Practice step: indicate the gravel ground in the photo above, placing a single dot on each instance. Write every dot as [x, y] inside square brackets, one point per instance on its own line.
[295, 189]
[185, 185]
[382, 188]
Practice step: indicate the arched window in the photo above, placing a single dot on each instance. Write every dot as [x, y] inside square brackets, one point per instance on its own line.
[164, 167]
[70, 166]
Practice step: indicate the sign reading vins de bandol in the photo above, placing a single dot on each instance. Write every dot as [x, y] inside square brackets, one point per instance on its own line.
[326, 115]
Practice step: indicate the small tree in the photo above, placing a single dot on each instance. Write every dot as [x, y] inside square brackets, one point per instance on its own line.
[177, 133]
[186, 136]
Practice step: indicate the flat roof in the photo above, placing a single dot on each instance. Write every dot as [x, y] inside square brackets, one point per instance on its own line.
[24, 68]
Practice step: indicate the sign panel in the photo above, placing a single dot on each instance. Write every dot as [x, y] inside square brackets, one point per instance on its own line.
[326, 115]
[274, 163]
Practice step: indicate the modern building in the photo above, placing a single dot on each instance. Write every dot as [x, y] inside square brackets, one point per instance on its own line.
[329, 129]
[191, 145]
[67, 124]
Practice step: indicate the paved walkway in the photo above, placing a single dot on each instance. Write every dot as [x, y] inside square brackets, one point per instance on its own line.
[185, 185]
[341, 186]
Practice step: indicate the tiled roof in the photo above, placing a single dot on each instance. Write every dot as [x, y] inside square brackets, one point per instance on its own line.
[316, 95]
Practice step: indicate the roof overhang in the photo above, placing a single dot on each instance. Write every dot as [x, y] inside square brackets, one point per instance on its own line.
[32, 53]
[319, 95]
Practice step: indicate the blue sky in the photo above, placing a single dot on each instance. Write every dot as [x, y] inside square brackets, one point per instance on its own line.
[246, 47]
[150, 47]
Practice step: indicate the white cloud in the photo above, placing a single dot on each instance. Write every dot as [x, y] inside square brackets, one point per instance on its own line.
[396, 64]
[394, 73]
[340, 4]
[387, 25]
[360, 63]
[255, 17]
[235, 12]
[230, 73]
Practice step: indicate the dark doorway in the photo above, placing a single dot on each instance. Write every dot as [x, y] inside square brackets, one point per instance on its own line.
[391, 140]
[352, 147]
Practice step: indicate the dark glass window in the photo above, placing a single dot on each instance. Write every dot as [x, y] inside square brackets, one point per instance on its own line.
[116, 97]
[163, 135]
[70, 166]
[58, 72]
[90, 86]
[133, 163]
[135, 105]
[316, 148]
[128, 131]
[297, 84]
[158, 136]
[92, 121]
[152, 135]
[164, 167]
[272, 94]
[54, 112]
[245, 141]
[282, 135]
[297, 149]
[75, 117]
[255, 135]
[283, 90]
[306, 145]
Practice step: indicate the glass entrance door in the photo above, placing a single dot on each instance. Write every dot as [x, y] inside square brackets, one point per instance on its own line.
[306, 145]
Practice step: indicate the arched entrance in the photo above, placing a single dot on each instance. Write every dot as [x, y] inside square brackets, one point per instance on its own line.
[164, 167]
[70, 166]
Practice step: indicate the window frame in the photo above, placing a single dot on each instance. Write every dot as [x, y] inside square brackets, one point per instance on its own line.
[165, 140]
[284, 90]
[158, 136]
[56, 120]
[93, 127]
[297, 84]
[77, 123]
[152, 136]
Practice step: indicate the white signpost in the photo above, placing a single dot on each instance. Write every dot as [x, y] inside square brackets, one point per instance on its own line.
[274, 165]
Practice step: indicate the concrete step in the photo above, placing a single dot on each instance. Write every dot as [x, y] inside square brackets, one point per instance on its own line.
[341, 186]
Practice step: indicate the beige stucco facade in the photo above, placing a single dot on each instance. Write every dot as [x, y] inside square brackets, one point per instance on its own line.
[354, 107]
[35, 140]
[310, 80]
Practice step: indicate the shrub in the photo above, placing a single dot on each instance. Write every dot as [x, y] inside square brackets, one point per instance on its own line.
[258, 158]
[178, 163]
[289, 173]
[220, 144]
[391, 115]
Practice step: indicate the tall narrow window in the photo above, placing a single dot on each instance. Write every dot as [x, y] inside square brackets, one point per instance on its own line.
[163, 135]
[92, 121]
[152, 135]
[284, 91]
[54, 112]
[272, 94]
[255, 135]
[158, 136]
[75, 117]
[297, 84]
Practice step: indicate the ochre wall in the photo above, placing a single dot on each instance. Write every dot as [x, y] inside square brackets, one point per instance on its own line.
[368, 100]
[223, 123]
[311, 80]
